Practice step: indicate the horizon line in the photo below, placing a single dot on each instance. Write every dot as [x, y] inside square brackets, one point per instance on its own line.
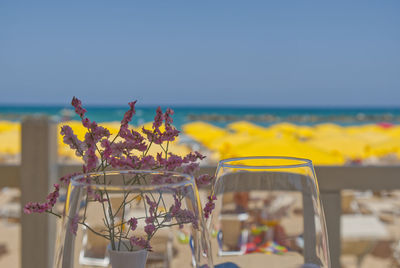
[215, 106]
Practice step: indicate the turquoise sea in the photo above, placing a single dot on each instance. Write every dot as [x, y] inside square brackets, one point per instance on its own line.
[217, 115]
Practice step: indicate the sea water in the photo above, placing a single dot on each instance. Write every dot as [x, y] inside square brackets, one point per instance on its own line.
[219, 116]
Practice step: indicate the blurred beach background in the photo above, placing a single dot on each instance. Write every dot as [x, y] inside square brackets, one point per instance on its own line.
[313, 80]
[341, 136]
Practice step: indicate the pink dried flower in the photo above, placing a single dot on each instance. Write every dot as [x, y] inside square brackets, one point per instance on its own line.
[191, 168]
[72, 140]
[133, 139]
[209, 206]
[118, 148]
[149, 229]
[152, 136]
[152, 206]
[43, 207]
[86, 122]
[162, 161]
[193, 157]
[107, 153]
[170, 134]
[158, 119]
[203, 180]
[67, 178]
[147, 162]
[133, 223]
[140, 242]
[150, 219]
[78, 107]
[98, 197]
[129, 114]
[175, 208]
[73, 224]
[98, 132]
[121, 163]
[168, 116]
[90, 159]
[173, 162]
[35, 207]
[186, 216]
[52, 197]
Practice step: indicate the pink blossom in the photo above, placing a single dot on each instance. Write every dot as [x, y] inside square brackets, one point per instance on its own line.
[99, 132]
[193, 157]
[147, 162]
[158, 119]
[52, 197]
[186, 216]
[96, 134]
[121, 163]
[140, 242]
[173, 162]
[199, 155]
[72, 140]
[107, 153]
[170, 134]
[150, 219]
[203, 180]
[152, 136]
[133, 139]
[168, 116]
[117, 148]
[162, 161]
[35, 207]
[209, 206]
[153, 206]
[175, 208]
[90, 159]
[133, 223]
[78, 107]
[67, 178]
[128, 162]
[191, 168]
[73, 224]
[138, 141]
[43, 207]
[98, 197]
[149, 228]
[129, 114]
[86, 122]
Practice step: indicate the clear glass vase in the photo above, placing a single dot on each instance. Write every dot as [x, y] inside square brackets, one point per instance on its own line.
[268, 213]
[132, 210]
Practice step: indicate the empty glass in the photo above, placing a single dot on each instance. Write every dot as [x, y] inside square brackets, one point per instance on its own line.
[268, 214]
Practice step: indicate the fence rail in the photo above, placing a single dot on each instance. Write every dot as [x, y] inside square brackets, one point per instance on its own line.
[39, 169]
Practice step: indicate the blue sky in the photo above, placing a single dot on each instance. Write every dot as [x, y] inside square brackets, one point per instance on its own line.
[318, 53]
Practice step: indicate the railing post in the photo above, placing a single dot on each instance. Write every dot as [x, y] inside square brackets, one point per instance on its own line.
[38, 174]
[332, 204]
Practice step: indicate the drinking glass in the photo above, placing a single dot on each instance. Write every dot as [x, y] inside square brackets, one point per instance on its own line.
[268, 213]
[100, 207]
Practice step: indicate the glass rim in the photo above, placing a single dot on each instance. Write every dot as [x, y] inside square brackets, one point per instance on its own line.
[304, 162]
[189, 179]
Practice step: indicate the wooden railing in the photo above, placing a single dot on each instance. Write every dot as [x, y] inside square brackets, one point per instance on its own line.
[39, 170]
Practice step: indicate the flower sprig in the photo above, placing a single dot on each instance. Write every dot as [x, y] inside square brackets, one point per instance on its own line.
[126, 150]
